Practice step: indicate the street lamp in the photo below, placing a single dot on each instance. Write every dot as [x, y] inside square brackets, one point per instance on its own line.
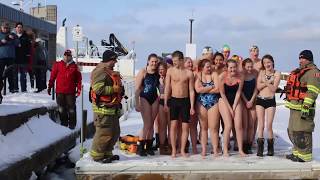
[191, 21]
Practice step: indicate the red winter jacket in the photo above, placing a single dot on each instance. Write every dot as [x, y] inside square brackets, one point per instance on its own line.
[68, 78]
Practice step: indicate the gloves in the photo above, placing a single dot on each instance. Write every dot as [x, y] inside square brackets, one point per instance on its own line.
[305, 111]
[49, 91]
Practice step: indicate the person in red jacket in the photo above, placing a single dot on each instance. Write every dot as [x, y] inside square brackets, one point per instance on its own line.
[68, 86]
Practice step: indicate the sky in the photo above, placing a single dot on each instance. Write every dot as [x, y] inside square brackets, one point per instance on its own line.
[280, 28]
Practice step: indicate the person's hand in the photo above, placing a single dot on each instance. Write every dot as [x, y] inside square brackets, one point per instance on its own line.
[305, 111]
[3, 41]
[49, 91]
[165, 108]
[11, 37]
[192, 111]
[249, 104]
[138, 107]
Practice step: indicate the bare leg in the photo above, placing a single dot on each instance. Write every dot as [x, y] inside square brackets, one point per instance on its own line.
[260, 115]
[179, 134]
[252, 124]
[270, 116]
[173, 137]
[226, 116]
[184, 138]
[203, 113]
[146, 112]
[245, 123]
[238, 127]
[154, 113]
[213, 124]
[163, 123]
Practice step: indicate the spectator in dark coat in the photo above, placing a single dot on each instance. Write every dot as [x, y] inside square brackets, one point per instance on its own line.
[22, 55]
[40, 60]
[8, 42]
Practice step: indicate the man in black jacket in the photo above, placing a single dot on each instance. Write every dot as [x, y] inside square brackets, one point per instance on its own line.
[22, 56]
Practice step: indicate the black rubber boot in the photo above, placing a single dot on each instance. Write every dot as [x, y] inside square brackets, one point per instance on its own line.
[245, 147]
[149, 148]
[249, 148]
[270, 147]
[290, 156]
[141, 148]
[260, 142]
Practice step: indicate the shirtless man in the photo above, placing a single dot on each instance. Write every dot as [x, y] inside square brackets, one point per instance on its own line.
[180, 85]
[254, 55]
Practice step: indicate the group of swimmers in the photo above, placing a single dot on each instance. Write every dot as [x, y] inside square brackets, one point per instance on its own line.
[233, 95]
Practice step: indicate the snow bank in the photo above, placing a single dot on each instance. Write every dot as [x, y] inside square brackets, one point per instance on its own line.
[36, 134]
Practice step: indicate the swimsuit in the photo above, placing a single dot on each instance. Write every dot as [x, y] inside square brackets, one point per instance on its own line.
[231, 92]
[207, 100]
[248, 88]
[150, 86]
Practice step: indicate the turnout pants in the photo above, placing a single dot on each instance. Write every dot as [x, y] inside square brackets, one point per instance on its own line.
[106, 135]
[67, 109]
[300, 134]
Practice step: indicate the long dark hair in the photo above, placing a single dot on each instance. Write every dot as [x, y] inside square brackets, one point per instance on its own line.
[267, 56]
[152, 55]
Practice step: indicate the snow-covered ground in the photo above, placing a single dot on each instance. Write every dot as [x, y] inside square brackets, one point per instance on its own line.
[39, 132]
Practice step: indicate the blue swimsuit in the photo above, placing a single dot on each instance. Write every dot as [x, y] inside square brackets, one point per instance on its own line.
[150, 86]
[208, 100]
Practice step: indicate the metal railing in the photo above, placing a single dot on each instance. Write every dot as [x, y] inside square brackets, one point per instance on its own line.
[128, 103]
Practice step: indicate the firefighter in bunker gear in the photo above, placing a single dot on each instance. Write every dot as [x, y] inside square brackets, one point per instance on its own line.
[302, 89]
[106, 94]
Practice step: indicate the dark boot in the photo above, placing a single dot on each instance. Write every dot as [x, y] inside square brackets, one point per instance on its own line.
[149, 149]
[245, 147]
[270, 147]
[141, 148]
[260, 142]
[249, 148]
[290, 156]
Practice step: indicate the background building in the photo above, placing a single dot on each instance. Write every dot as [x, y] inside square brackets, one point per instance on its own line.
[47, 13]
[43, 29]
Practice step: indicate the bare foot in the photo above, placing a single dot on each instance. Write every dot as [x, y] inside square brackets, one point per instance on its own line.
[242, 154]
[173, 154]
[183, 154]
[226, 154]
[203, 154]
[215, 154]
